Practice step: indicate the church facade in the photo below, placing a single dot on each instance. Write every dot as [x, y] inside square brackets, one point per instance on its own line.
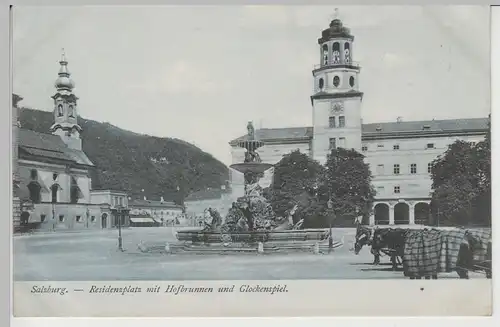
[52, 172]
[399, 153]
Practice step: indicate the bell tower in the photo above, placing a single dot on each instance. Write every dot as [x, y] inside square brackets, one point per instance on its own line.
[65, 110]
[336, 98]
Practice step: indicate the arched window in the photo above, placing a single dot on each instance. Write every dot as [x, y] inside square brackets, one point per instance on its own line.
[74, 191]
[325, 54]
[71, 111]
[347, 52]
[34, 189]
[34, 174]
[336, 53]
[74, 194]
[321, 83]
[60, 110]
[54, 190]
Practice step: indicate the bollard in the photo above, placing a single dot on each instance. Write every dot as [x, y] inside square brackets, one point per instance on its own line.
[316, 248]
[167, 248]
[260, 249]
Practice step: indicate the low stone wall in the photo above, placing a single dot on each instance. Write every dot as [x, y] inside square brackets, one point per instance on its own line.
[257, 236]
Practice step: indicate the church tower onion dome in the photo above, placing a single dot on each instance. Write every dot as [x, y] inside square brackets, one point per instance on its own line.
[336, 30]
[64, 81]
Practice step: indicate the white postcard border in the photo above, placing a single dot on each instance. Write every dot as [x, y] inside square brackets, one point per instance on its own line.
[5, 98]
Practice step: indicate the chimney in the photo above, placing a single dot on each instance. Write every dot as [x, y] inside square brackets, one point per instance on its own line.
[161, 199]
[399, 119]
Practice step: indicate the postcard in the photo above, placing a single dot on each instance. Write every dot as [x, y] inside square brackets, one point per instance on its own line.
[230, 161]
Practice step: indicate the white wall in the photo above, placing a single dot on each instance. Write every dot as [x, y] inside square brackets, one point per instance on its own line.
[381, 156]
[45, 173]
[322, 132]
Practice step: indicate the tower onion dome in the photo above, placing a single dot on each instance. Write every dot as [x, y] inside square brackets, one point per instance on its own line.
[336, 30]
[64, 81]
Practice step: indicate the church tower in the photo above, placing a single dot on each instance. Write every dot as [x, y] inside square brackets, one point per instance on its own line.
[65, 112]
[336, 98]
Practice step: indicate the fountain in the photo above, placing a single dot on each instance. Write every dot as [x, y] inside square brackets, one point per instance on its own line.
[251, 218]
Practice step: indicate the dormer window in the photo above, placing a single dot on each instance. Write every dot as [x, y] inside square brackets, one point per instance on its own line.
[378, 129]
[54, 176]
[430, 146]
[426, 127]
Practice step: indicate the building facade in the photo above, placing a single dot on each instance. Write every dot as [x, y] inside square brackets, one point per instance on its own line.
[53, 172]
[399, 153]
[160, 212]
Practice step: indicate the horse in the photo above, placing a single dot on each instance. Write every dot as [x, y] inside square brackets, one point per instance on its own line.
[364, 237]
[422, 251]
[391, 242]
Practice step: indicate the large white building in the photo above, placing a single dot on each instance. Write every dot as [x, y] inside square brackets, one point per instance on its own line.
[399, 153]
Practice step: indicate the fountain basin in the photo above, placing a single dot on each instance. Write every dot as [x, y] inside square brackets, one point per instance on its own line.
[197, 236]
[253, 167]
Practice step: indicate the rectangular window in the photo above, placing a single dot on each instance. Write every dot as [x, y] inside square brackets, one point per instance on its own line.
[333, 143]
[380, 145]
[395, 147]
[396, 169]
[413, 168]
[397, 189]
[331, 122]
[380, 169]
[364, 148]
[61, 218]
[42, 218]
[430, 145]
[121, 201]
[429, 167]
[78, 219]
[342, 142]
[341, 121]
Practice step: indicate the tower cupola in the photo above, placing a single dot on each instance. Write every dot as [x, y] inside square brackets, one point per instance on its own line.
[65, 107]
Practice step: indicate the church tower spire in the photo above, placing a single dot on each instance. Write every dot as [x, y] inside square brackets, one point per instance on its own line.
[65, 112]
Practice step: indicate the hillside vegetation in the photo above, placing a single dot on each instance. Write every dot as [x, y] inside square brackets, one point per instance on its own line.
[133, 162]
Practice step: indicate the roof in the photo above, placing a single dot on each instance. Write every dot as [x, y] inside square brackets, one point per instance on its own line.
[378, 129]
[280, 134]
[209, 194]
[50, 146]
[153, 203]
[107, 191]
[430, 125]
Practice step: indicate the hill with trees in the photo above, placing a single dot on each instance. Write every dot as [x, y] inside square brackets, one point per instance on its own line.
[133, 162]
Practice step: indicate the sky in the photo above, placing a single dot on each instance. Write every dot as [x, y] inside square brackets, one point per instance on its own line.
[200, 73]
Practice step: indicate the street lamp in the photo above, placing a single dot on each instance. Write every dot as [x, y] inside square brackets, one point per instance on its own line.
[330, 238]
[118, 212]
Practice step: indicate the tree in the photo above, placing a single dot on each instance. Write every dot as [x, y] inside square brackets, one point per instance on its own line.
[295, 182]
[347, 184]
[461, 183]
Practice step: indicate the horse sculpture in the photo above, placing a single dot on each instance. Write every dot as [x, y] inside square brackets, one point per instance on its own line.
[428, 252]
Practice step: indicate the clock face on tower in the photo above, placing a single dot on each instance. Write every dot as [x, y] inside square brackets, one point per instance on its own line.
[337, 107]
